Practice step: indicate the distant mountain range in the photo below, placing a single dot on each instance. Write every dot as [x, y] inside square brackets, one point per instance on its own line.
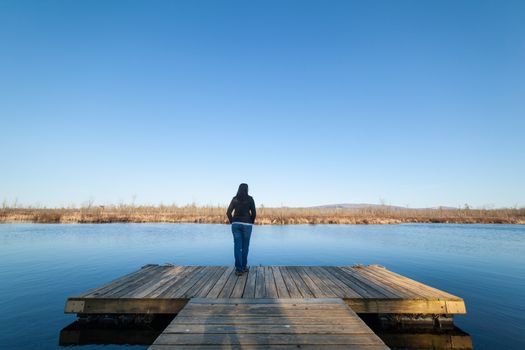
[367, 205]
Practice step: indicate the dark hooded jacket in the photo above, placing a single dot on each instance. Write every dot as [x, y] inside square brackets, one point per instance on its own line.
[243, 210]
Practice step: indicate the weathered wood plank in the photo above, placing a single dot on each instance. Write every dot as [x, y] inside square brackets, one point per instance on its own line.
[282, 291]
[391, 283]
[346, 291]
[264, 339]
[272, 347]
[273, 311]
[191, 282]
[301, 285]
[209, 272]
[312, 286]
[269, 283]
[363, 291]
[323, 283]
[238, 290]
[131, 285]
[354, 328]
[124, 306]
[260, 287]
[230, 307]
[213, 280]
[154, 283]
[380, 287]
[398, 306]
[217, 288]
[228, 286]
[97, 291]
[412, 284]
[249, 289]
[367, 289]
[168, 290]
[290, 284]
[234, 323]
[266, 320]
[266, 301]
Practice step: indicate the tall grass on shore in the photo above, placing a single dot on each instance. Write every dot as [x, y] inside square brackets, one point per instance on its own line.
[265, 216]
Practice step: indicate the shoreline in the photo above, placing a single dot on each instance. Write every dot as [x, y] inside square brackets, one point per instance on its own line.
[265, 216]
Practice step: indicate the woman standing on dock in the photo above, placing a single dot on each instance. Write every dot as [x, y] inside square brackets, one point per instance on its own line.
[243, 208]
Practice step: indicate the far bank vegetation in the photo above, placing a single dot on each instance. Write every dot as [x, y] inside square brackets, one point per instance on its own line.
[265, 216]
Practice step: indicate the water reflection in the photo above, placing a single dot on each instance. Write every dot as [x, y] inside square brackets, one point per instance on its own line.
[439, 336]
[114, 331]
[41, 265]
[426, 339]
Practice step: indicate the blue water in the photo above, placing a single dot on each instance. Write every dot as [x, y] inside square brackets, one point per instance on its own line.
[41, 265]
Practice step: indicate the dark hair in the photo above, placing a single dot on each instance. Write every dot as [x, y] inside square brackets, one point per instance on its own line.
[242, 192]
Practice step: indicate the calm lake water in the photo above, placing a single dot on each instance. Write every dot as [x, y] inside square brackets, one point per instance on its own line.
[41, 265]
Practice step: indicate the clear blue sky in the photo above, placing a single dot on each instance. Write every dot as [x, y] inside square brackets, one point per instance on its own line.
[418, 103]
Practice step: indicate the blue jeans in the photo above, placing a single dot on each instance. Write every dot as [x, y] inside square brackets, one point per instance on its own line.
[241, 244]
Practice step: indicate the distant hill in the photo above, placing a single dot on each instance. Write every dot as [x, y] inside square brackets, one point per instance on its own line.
[368, 205]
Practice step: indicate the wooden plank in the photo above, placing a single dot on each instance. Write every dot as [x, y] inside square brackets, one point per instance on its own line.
[328, 289]
[273, 347]
[398, 306]
[269, 311]
[266, 320]
[344, 277]
[354, 328]
[238, 290]
[249, 289]
[153, 283]
[213, 280]
[367, 289]
[189, 282]
[173, 283]
[282, 291]
[228, 286]
[124, 289]
[264, 339]
[267, 301]
[125, 306]
[406, 293]
[346, 291]
[209, 272]
[301, 286]
[244, 323]
[380, 287]
[269, 283]
[411, 284]
[112, 287]
[316, 289]
[228, 307]
[217, 288]
[290, 284]
[93, 292]
[184, 276]
[260, 287]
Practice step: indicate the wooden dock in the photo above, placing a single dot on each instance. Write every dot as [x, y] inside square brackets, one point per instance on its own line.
[267, 323]
[279, 307]
[158, 289]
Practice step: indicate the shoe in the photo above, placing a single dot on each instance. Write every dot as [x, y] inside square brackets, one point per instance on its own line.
[245, 269]
[238, 273]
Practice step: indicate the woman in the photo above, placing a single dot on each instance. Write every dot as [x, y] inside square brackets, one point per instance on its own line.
[243, 208]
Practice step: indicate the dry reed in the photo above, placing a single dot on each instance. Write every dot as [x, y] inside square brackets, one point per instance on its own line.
[265, 216]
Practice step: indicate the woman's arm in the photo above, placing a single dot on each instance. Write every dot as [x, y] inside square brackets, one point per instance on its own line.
[253, 211]
[230, 210]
